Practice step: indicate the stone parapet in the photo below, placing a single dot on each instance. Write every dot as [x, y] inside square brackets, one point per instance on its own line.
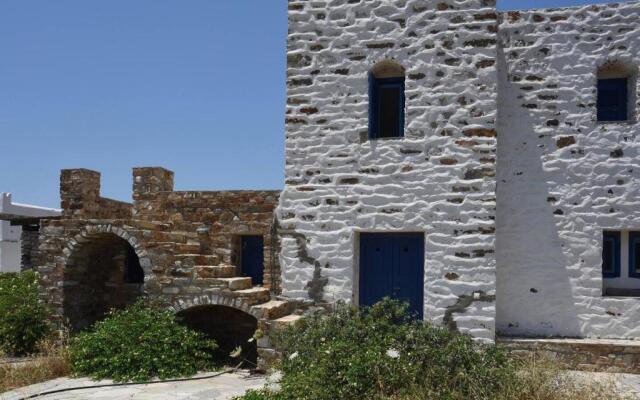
[620, 356]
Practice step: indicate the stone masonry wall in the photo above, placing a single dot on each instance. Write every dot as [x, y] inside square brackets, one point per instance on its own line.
[183, 239]
[438, 179]
[80, 197]
[562, 176]
[29, 246]
[215, 217]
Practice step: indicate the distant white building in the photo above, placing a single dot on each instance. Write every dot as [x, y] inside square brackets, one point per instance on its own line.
[22, 215]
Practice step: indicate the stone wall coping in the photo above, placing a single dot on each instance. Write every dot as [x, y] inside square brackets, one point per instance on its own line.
[549, 10]
[571, 341]
[241, 191]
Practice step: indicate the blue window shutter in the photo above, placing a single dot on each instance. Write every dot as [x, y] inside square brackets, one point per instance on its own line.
[613, 99]
[373, 107]
[611, 254]
[402, 101]
[634, 254]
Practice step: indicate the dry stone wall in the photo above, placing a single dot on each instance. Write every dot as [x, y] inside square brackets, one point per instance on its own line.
[438, 179]
[184, 242]
[562, 176]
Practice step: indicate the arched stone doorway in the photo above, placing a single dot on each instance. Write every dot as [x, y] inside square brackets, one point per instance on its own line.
[228, 326]
[102, 272]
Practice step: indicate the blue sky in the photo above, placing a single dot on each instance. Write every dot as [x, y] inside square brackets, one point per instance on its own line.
[196, 86]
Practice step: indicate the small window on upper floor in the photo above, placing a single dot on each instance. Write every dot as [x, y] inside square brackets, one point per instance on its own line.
[386, 100]
[616, 92]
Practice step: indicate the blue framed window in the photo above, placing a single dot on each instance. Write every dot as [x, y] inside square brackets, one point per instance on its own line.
[386, 107]
[611, 254]
[634, 254]
[613, 99]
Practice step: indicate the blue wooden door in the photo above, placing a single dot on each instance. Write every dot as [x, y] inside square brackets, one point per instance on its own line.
[252, 258]
[392, 265]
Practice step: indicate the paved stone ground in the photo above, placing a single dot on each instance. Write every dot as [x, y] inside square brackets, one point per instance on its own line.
[222, 387]
[628, 383]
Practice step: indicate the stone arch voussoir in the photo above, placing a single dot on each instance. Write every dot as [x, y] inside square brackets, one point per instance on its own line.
[91, 231]
[239, 304]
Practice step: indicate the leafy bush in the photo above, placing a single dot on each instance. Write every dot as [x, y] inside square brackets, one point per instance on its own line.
[23, 318]
[379, 353]
[140, 343]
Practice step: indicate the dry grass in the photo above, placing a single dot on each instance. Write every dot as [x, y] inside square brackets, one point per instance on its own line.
[543, 380]
[51, 362]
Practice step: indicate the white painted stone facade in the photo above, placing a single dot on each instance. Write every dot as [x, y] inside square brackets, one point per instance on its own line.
[10, 235]
[470, 71]
[438, 179]
[555, 197]
[9, 247]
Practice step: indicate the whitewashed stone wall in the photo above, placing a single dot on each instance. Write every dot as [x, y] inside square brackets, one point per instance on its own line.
[563, 177]
[439, 179]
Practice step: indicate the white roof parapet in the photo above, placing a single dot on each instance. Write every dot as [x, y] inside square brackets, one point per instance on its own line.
[9, 210]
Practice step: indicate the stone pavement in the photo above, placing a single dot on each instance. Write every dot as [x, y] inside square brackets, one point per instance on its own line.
[222, 387]
[629, 384]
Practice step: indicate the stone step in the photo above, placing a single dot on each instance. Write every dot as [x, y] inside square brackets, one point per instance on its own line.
[182, 248]
[214, 271]
[283, 322]
[236, 283]
[254, 295]
[197, 259]
[273, 309]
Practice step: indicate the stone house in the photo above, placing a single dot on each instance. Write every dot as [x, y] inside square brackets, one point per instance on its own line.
[479, 165]
[209, 256]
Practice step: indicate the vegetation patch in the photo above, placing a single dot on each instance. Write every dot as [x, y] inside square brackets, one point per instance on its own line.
[51, 362]
[140, 343]
[380, 353]
[23, 318]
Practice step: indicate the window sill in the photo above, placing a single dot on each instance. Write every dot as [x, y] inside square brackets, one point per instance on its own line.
[628, 122]
[387, 138]
[613, 292]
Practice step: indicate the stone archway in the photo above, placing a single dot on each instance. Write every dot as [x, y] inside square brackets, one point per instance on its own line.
[103, 269]
[231, 328]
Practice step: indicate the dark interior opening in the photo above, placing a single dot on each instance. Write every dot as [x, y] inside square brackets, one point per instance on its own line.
[390, 111]
[230, 328]
[613, 99]
[101, 274]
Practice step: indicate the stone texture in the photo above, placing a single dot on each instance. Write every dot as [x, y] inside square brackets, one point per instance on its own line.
[439, 179]
[620, 356]
[187, 244]
[493, 100]
[561, 179]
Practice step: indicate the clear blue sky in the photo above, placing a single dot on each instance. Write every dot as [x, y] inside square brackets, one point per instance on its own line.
[197, 86]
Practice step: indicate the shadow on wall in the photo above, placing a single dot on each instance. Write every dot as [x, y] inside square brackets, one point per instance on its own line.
[534, 294]
[230, 328]
[102, 273]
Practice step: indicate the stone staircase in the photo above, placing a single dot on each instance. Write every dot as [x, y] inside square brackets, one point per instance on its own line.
[219, 279]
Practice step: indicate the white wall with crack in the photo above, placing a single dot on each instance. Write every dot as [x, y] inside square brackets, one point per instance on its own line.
[438, 179]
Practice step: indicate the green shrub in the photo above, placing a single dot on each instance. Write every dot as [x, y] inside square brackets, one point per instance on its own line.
[138, 344]
[380, 353]
[23, 318]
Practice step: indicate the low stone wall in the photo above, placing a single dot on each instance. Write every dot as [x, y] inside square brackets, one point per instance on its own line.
[29, 246]
[620, 356]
